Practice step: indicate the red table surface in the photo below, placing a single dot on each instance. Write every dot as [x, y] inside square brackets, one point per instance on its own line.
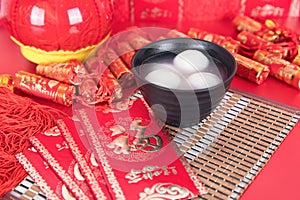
[280, 178]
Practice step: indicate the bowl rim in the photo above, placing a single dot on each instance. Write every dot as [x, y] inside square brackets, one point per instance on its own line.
[168, 40]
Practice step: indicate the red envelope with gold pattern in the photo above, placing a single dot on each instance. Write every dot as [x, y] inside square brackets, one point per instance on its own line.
[86, 159]
[52, 186]
[137, 159]
[55, 151]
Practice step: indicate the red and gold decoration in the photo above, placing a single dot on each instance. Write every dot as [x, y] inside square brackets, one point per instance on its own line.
[58, 156]
[57, 31]
[251, 70]
[7, 81]
[67, 72]
[117, 67]
[84, 160]
[280, 68]
[227, 42]
[20, 118]
[130, 158]
[267, 35]
[109, 88]
[296, 60]
[45, 88]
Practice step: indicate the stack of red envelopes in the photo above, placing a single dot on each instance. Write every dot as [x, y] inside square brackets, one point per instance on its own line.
[115, 153]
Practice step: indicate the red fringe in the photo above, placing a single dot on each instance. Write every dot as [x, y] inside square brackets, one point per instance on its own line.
[20, 118]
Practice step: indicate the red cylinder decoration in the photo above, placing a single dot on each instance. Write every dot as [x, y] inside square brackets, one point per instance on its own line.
[57, 31]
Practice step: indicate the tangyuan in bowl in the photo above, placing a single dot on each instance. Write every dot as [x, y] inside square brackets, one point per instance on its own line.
[183, 79]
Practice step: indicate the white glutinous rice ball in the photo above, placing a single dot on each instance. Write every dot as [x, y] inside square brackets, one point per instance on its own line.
[149, 67]
[164, 77]
[203, 80]
[191, 61]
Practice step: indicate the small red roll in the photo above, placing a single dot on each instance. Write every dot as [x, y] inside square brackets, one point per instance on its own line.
[45, 88]
[279, 68]
[227, 42]
[137, 41]
[118, 68]
[64, 72]
[244, 23]
[126, 52]
[251, 70]
[176, 34]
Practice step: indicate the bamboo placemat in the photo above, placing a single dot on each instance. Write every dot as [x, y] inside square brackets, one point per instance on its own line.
[227, 149]
[231, 146]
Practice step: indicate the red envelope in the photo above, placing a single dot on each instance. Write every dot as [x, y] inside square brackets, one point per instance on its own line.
[138, 159]
[55, 151]
[52, 186]
[89, 166]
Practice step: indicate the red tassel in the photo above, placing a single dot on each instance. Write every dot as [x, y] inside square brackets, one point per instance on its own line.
[20, 118]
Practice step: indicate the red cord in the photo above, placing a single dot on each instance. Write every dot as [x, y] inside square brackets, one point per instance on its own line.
[20, 118]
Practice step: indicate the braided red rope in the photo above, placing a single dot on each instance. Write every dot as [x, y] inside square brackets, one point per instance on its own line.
[20, 118]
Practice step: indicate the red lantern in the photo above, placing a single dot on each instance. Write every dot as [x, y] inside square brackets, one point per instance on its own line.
[56, 31]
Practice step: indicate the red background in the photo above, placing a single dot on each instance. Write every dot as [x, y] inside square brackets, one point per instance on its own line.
[280, 178]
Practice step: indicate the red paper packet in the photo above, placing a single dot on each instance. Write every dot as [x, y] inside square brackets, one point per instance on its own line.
[51, 185]
[126, 52]
[55, 151]
[225, 41]
[279, 68]
[116, 66]
[66, 72]
[251, 70]
[137, 158]
[79, 147]
[45, 88]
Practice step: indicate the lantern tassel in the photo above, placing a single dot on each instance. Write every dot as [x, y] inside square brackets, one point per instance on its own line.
[20, 118]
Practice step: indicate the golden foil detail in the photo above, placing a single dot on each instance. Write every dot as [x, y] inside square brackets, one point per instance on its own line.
[120, 145]
[149, 172]
[192, 174]
[81, 161]
[165, 191]
[33, 172]
[58, 168]
[102, 157]
[66, 193]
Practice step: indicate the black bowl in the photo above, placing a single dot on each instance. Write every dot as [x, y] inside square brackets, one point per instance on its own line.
[177, 107]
